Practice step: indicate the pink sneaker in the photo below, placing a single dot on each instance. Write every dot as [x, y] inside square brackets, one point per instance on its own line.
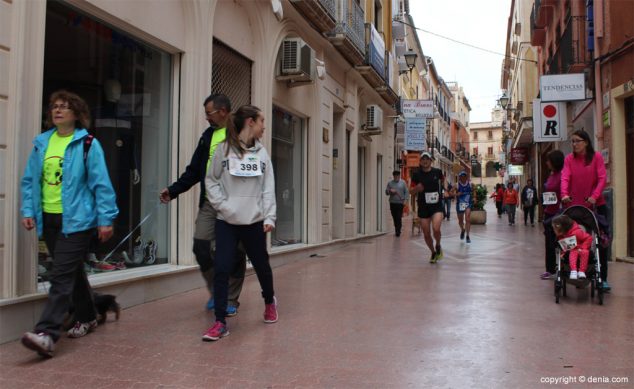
[270, 312]
[219, 330]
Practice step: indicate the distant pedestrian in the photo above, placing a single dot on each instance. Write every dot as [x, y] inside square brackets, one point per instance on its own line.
[498, 197]
[464, 203]
[551, 200]
[447, 201]
[429, 182]
[578, 249]
[240, 186]
[397, 190]
[529, 201]
[511, 199]
[68, 197]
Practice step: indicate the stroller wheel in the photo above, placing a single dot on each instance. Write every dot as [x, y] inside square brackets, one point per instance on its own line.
[592, 287]
[563, 287]
[600, 295]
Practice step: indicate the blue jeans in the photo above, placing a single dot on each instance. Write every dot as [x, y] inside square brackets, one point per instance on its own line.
[253, 239]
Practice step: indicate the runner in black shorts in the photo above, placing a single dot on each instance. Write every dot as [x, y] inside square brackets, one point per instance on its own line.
[428, 182]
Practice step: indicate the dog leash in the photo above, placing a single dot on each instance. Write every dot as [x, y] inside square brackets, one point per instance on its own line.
[131, 232]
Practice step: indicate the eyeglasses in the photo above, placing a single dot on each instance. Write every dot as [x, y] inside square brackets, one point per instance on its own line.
[61, 107]
[212, 112]
[575, 141]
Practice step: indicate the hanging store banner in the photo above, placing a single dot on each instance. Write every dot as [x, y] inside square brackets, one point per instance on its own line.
[376, 51]
[415, 134]
[516, 170]
[562, 87]
[549, 121]
[418, 109]
[519, 155]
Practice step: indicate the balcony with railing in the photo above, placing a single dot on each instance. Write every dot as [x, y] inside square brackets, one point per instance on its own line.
[349, 33]
[538, 32]
[574, 56]
[320, 13]
[376, 67]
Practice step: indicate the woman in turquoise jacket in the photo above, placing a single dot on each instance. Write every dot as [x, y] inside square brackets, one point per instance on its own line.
[68, 197]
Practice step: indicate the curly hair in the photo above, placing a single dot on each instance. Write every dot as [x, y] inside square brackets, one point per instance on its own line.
[75, 103]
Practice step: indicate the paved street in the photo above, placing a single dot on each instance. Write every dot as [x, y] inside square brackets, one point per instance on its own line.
[371, 314]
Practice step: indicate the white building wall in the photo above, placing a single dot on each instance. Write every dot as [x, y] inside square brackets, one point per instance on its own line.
[186, 29]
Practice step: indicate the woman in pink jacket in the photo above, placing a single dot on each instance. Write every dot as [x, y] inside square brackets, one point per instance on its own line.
[582, 183]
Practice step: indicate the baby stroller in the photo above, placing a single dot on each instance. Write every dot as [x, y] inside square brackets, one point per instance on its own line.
[586, 219]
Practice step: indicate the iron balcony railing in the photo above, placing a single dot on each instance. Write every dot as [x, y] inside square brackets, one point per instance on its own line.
[329, 6]
[573, 44]
[350, 22]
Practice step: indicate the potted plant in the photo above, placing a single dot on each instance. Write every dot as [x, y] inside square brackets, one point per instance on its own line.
[478, 214]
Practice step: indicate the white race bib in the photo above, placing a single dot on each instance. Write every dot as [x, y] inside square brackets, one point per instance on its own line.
[247, 166]
[550, 198]
[431, 197]
[568, 243]
[462, 206]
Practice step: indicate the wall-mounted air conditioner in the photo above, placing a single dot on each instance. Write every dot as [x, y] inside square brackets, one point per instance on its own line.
[373, 120]
[297, 61]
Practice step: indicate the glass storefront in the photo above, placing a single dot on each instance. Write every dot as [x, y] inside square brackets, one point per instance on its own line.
[127, 84]
[288, 165]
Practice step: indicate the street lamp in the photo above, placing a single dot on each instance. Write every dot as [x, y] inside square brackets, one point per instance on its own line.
[410, 61]
[504, 101]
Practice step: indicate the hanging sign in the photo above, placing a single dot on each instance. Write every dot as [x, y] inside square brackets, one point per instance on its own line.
[549, 121]
[415, 134]
[419, 109]
[562, 87]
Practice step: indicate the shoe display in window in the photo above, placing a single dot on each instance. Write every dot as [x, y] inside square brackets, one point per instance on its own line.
[150, 252]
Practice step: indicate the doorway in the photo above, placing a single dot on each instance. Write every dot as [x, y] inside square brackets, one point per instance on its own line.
[629, 170]
[361, 191]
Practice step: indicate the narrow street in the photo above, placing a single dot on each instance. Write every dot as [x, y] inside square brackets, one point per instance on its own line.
[371, 314]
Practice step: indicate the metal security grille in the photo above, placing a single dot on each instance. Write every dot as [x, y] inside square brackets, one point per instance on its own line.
[231, 74]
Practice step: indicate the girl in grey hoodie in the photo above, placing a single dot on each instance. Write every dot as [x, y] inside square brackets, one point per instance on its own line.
[241, 187]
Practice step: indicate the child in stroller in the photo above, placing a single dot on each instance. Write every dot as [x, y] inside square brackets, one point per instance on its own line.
[574, 240]
[585, 236]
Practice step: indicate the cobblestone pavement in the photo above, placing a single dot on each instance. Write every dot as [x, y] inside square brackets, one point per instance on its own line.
[370, 314]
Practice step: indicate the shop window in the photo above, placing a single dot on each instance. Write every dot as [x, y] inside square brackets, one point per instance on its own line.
[127, 85]
[287, 156]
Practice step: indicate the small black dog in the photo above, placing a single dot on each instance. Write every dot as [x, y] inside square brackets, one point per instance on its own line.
[104, 303]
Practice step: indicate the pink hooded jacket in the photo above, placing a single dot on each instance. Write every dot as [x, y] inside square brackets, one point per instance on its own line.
[584, 240]
[580, 181]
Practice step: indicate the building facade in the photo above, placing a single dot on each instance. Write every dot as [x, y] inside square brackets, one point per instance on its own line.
[486, 146]
[321, 72]
[595, 38]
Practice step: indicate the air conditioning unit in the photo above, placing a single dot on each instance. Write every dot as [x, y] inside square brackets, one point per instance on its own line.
[297, 61]
[373, 121]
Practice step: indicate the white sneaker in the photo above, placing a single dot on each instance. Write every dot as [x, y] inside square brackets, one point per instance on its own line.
[573, 275]
[40, 342]
[581, 275]
[82, 329]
